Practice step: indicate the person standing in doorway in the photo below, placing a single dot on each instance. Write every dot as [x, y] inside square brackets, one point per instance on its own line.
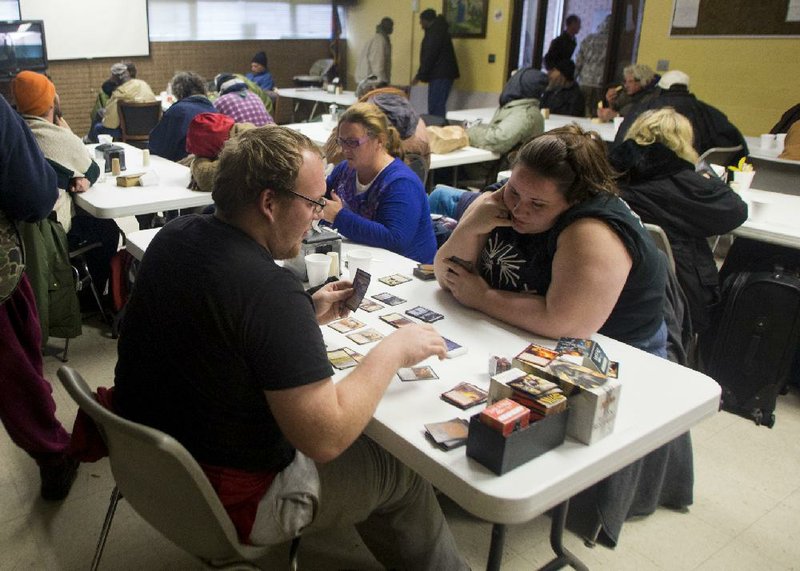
[437, 61]
[564, 45]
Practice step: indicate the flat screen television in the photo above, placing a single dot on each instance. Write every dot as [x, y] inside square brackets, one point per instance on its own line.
[22, 46]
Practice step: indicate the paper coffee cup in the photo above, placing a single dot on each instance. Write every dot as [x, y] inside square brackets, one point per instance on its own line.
[358, 259]
[317, 268]
[546, 113]
[335, 270]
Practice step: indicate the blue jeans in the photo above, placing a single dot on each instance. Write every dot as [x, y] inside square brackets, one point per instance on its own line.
[444, 200]
[438, 92]
[657, 344]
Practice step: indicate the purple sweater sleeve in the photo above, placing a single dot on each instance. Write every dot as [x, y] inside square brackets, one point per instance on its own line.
[28, 188]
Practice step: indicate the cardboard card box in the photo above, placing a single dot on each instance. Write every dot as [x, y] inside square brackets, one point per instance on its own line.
[128, 179]
[593, 412]
[584, 352]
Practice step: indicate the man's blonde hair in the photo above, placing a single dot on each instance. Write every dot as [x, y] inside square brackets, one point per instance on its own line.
[665, 126]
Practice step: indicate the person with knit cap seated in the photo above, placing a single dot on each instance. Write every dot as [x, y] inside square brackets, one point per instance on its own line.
[259, 72]
[129, 89]
[204, 141]
[168, 137]
[239, 103]
[563, 96]
[37, 101]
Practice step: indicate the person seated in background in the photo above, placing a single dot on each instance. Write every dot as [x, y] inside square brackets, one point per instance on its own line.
[204, 141]
[108, 87]
[788, 119]
[374, 198]
[639, 85]
[168, 138]
[791, 146]
[246, 386]
[660, 184]
[563, 95]
[710, 126]
[129, 89]
[259, 72]
[518, 118]
[76, 171]
[238, 102]
[415, 149]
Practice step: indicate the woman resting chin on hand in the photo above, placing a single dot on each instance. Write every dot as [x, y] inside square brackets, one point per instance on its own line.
[556, 252]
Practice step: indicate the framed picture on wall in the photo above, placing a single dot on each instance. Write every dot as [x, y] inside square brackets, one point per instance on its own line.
[467, 18]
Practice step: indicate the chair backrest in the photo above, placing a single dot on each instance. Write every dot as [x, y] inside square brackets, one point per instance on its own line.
[162, 482]
[320, 67]
[718, 156]
[661, 240]
[136, 120]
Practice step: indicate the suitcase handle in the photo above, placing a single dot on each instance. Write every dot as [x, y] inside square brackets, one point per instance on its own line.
[752, 347]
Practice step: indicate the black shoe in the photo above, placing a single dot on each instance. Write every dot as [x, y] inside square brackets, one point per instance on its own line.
[57, 479]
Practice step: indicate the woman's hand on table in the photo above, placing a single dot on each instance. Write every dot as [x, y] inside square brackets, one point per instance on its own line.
[486, 213]
[332, 208]
[467, 287]
[329, 301]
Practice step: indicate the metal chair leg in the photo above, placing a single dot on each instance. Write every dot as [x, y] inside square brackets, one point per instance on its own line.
[64, 357]
[101, 541]
[293, 553]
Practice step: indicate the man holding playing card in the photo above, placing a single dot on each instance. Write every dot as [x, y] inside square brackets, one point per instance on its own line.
[221, 348]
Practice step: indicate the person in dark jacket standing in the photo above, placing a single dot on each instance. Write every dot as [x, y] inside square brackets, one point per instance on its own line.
[660, 184]
[28, 192]
[564, 45]
[437, 61]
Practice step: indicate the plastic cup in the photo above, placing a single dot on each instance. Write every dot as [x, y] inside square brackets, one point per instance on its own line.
[545, 113]
[358, 259]
[317, 268]
[334, 271]
[780, 142]
[742, 181]
[767, 141]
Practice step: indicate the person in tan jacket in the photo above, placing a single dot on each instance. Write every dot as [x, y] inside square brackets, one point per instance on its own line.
[129, 89]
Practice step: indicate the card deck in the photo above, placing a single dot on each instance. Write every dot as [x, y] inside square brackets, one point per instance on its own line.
[369, 306]
[448, 434]
[360, 285]
[394, 279]
[423, 373]
[396, 320]
[346, 324]
[465, 395]
[365, 336]
[388, 298]
[424, 314]
[344, 358]
[469, 266]
[424, 272]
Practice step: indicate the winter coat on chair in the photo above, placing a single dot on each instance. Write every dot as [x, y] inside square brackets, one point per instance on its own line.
[664, 189]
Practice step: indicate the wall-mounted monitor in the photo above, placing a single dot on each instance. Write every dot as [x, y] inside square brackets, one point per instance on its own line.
[22, 46]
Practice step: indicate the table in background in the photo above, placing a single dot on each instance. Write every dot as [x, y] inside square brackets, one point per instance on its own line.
[606, 130]
[317, 95]
[772, 173]
[107, 200]
[773, 218]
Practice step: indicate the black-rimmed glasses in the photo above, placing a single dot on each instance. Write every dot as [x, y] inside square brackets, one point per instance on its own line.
[319, 205]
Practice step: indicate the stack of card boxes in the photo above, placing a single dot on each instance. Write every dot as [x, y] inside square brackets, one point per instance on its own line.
[593, 397]
[543, 397]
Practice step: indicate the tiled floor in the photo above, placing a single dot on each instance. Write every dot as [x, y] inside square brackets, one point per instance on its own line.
[746, 513]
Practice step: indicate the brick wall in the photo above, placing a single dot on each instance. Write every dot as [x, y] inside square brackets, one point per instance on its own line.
[78, 81]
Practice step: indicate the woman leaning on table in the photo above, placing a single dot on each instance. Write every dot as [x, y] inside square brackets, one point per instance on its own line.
[559, 254]
[660, 184]
[556, 252]
[374, 198]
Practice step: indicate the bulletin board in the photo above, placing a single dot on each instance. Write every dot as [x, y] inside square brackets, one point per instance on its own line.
[714, 18]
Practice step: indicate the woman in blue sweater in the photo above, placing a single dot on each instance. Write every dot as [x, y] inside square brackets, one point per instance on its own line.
[374, 198]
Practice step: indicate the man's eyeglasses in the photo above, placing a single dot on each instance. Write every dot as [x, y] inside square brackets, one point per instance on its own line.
[351, 143]
[319, 205]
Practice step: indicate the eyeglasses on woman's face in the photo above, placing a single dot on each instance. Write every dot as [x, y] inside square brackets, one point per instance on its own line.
[319, 205]
[351, 143]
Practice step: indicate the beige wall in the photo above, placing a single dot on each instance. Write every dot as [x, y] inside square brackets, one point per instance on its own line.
[753, 81]
[476, 73]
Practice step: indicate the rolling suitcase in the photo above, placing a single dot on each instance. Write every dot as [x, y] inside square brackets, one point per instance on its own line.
[750, 349]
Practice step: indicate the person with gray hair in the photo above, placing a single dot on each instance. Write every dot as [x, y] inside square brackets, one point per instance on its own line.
[640, 85]
[376, 57]
[168, 138]
[129, 89]
[245, 384]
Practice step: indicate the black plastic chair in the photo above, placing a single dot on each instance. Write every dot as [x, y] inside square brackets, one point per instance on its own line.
[136, 120]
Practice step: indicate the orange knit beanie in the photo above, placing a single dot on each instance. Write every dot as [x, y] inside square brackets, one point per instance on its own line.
[33, 92]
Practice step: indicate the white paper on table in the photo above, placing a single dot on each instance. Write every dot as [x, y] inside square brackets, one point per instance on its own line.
[793, 12]
[686, 13]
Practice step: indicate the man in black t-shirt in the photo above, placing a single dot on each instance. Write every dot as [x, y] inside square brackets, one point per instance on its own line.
[221, 348]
